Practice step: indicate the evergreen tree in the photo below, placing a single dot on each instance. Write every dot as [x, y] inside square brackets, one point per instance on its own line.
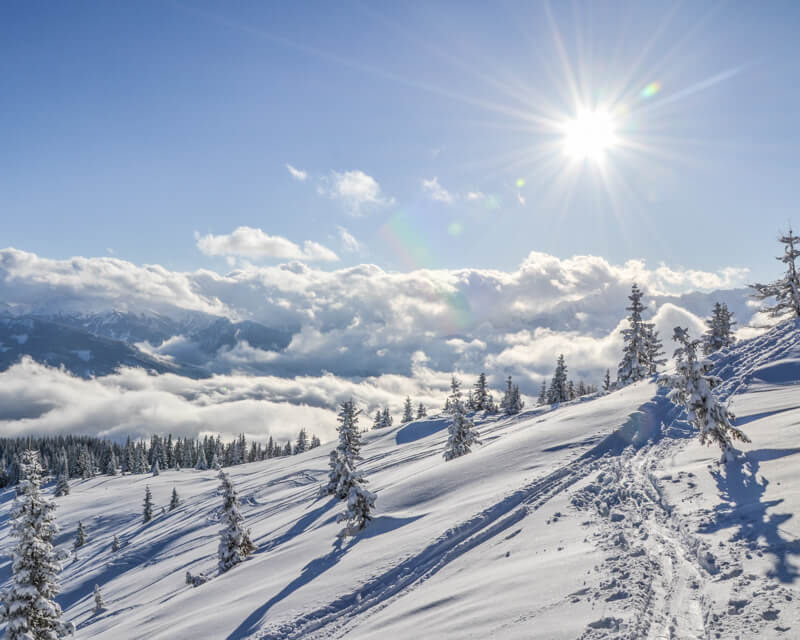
[607, 381]
[693, 388]
[719, 334]
[315, 442]
[785, 290]
[558, 385]
[29, 607]
[360, 503]
[302, 441]
[112, 466]
[386, 418]
[175, 500]
[80, 536]
[216, 465]
[377, 423]
[542, 399]
[634, 365]
[462, 433]
[343, 459]
[148, 505]
[202, 462]
[155, 469]
[408, 411]
[421, 411]
[62, 482]
[571, 390]
[653, 348]
[99, 605]
[115, 544]
[480, 394]
[234, 540]
[512, 400]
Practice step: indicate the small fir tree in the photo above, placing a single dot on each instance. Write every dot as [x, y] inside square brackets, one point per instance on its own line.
[785, 290]
[99, 605]
[155, 468]
[462, 434]
[408, 411]
[302, 441]
[719, 334]
[174, 501]
[147, 512]
[115, 544]
[634, 365]
[693, 389]
[80, 536]
[421, 411]
[558, 385]
[234, 540]
[542, 399]
[607, 381]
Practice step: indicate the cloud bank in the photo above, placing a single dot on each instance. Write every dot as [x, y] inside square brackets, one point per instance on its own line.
[248, 242]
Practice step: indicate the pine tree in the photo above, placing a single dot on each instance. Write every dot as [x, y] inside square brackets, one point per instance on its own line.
[693, 388]
[542, 399]
[360, 503]
[302, 441]
[155, 469]
[99, 605]
[386, 418]
[29, 607]
[634, 365]
[607, 381]
[343, 459]
[480, 393]
[408, 411]
[653, 348]
[80, 536]
[421, 411]
[62, 478]
[558, 385]
[216, 466]
[571, 390]
[175, 501]
[315, 442]
[202, 462]
[115, 544]
[148, 505]
[512, 400]
[719, 334]
[785, 290]
[377, 423]
[112, 466]
[234, 540]
[462, 433]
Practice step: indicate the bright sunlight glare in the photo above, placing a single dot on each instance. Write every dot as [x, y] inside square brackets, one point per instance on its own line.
[589, 135]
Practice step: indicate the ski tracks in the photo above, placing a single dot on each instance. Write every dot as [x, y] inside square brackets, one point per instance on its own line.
[340, 616]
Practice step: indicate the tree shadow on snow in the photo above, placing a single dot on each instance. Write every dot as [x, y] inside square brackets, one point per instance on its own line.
[744, 510]
[312, 570]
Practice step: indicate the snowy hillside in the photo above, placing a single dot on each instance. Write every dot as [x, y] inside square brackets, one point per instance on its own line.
[554, 528]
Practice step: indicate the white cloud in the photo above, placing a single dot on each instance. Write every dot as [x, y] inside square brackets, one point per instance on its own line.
[348, 241]
[437, 192]
[297, 174]
[475, 195]
[248, 242]
[356, 190]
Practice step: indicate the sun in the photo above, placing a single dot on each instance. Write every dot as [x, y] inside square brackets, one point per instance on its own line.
[590, 135]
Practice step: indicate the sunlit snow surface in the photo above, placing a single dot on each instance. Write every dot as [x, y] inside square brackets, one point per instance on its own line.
[554, 528]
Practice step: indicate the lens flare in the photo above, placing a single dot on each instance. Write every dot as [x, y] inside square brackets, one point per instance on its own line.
[650, 90]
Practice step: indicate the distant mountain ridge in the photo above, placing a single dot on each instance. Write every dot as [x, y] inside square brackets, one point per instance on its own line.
[99, 343]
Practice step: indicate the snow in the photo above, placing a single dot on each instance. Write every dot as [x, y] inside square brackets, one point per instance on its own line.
[553, 528]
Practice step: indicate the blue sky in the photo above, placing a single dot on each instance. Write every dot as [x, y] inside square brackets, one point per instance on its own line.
[139, 128]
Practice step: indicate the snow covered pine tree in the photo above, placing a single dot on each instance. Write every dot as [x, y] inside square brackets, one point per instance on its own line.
[408, 411]
[558, 385]
[29, 607]
[99, 605]
[634, 365]
[786, 290]
[147, 512]
[694, 390]
[174, 501]
[234, 540]
[463, 435]
[720, 330]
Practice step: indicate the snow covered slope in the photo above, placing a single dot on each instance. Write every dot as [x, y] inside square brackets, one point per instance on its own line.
[597, 519]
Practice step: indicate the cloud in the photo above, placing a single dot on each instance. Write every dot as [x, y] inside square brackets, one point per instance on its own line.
[297, 174]
[475, 195]
[364, 323]
[356, 190]
[437, 192]
[348, 240]
[248, 242]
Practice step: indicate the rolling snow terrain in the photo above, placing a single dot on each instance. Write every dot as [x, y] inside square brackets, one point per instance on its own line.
[600, 518]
